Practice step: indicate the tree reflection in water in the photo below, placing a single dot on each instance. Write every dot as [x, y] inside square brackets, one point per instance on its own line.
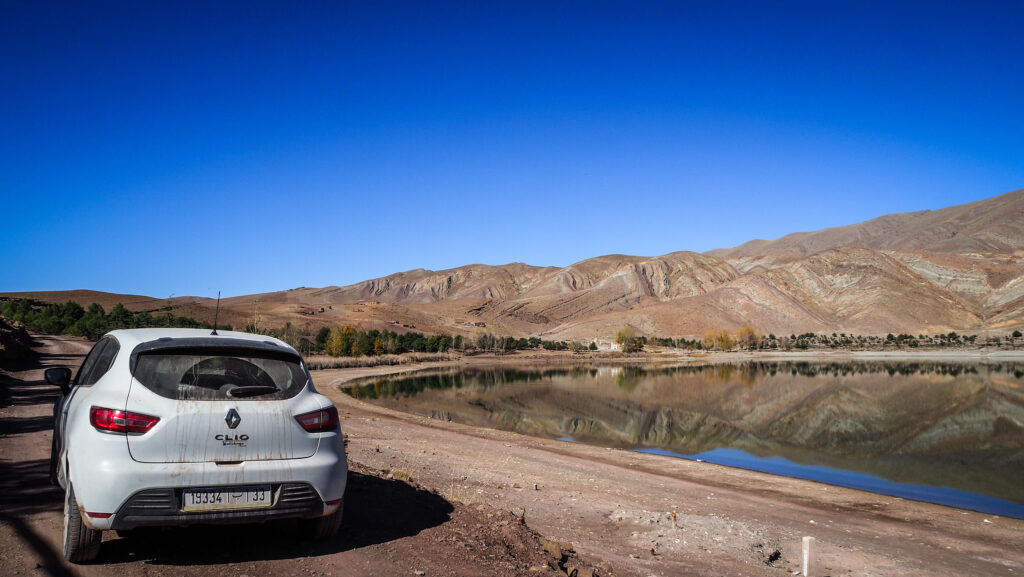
[946, 424]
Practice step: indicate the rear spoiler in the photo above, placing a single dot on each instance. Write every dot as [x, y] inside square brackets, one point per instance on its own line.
[214, 345]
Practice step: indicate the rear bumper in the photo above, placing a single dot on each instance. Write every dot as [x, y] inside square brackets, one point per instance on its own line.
[162, 507]
[120, 486]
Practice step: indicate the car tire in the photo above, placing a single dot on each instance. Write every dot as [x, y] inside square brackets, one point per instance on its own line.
[81, 543]
[324, 527]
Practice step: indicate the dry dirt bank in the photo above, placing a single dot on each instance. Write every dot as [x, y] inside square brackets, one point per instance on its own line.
[666, 356]
[391, 527]
[938, 355]
[675, 355]
[616, 506]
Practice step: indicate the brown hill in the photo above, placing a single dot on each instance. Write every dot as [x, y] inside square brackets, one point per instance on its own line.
[992, 225]
[956, 269]
[846, 290]
[609, 285]
[860, 290]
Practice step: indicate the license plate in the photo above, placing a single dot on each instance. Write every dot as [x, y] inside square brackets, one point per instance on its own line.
[230, 498]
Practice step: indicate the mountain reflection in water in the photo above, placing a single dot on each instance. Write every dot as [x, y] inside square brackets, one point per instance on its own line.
[953, 425]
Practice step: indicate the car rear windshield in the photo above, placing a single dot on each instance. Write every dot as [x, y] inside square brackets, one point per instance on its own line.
[200, 375]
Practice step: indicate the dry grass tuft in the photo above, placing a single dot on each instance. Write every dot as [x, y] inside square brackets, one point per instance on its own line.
[400, 475]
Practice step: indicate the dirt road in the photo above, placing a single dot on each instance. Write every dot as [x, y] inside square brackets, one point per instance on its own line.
[391, 527]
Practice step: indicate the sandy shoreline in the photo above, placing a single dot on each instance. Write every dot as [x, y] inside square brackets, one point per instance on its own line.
[615, 506]
[972, 355]
[978, 355]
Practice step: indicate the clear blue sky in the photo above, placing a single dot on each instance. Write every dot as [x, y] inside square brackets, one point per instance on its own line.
[181, 148]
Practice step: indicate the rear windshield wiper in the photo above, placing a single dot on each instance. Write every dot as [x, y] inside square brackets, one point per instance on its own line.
[251, 391]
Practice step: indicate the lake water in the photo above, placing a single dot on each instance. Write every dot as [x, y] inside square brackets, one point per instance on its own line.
[945, 433]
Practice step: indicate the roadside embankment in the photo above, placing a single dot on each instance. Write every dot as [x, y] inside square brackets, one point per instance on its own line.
[15, 342]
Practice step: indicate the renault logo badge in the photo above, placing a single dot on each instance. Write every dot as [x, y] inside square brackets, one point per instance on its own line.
[232, 419]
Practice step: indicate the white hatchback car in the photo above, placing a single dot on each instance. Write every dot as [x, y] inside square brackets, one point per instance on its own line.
[174, 427]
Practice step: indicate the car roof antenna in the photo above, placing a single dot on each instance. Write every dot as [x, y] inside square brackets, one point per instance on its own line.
[216, 314]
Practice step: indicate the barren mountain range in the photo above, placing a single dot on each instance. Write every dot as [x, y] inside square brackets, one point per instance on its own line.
[956, 269]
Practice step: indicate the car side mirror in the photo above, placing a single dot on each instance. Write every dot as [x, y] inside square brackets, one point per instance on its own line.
[59, 377]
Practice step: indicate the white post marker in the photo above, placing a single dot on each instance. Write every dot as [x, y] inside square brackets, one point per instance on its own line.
[807, 554]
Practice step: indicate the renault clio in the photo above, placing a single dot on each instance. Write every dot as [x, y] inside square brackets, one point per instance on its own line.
[175, 427]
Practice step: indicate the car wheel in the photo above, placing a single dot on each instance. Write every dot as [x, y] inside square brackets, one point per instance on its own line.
[81, 543]
[324, 527]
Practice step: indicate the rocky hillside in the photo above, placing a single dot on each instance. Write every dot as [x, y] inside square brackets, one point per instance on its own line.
[994, 225]
[956, 269]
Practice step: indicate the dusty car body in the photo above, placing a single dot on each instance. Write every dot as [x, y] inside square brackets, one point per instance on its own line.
[175, 427]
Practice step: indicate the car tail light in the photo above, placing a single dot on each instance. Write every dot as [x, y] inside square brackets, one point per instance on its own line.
[319, 421]
[117, 421]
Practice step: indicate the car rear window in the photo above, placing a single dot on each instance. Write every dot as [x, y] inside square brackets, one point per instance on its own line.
[200, 375]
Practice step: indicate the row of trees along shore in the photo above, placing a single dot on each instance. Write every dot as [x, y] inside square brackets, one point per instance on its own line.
[93, 321]
[354, 342]
[750, 339]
